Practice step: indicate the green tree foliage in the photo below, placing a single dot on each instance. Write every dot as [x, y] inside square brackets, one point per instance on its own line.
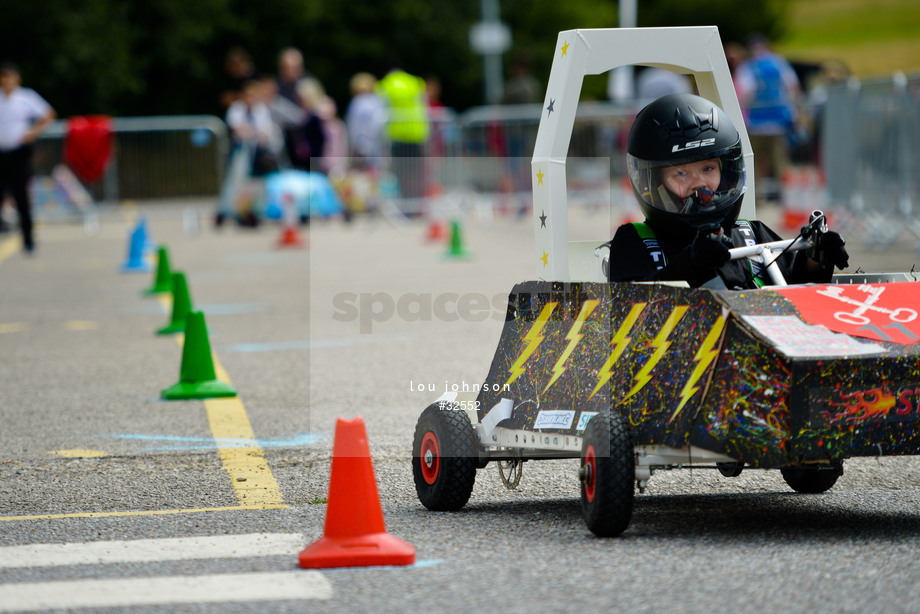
[736, 20]
[151, 57]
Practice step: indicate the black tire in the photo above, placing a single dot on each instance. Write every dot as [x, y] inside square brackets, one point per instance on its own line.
[444, 458]
[608, 475]
[730, 470]
[812, 479]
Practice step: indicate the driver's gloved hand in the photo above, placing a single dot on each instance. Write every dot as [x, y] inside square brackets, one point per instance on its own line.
[829, 250]
[708, 251]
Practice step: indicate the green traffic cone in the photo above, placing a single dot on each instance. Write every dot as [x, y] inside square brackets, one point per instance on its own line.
[181, 306]
[456, 249]
[196, 375]
[162, 279]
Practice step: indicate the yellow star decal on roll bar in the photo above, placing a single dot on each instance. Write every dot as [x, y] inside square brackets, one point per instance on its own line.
[545, 259]
[565, 49]
[539, 177]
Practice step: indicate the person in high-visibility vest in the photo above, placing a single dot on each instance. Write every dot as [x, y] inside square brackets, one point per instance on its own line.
[407, 128]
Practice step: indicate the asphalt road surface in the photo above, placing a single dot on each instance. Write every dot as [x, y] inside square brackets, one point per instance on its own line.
[113, 500]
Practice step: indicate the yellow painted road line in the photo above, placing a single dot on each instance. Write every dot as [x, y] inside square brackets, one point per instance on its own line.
[10, 247]
[247, 467]
[191, 510]
[78, 453]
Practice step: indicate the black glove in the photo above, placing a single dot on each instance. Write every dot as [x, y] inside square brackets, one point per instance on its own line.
[708, 251]
[829, 250]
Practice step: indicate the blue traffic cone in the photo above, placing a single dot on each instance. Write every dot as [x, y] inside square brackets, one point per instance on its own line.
[149, 246]
[137, 243]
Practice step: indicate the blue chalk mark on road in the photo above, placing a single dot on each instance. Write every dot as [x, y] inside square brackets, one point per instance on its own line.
[417, 565]
[428, 563]
[231, 309]
[178, 442]
[266, 347]
[314, 344]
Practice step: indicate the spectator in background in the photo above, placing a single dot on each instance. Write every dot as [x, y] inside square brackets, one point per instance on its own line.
[653, 83]
[364, 121]
[251, 123]
[308, 139]
[768, 90]
[334, 159]
[291, 73]
[433, 92]
[286, 115]
[438, 117]
[254, 153]
[24, 115]
[511, 143]
[407, 128]
[735, 55]
[238, 69]
[522, 87]
[298, 96]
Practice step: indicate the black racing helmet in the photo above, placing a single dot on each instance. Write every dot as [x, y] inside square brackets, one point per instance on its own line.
[681, 129]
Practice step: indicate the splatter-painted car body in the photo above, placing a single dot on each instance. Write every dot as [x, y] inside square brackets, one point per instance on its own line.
[735, 373]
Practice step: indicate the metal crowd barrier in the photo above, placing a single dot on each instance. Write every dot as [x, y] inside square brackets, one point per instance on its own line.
[595, 150]
[153, 157]
[870, 141]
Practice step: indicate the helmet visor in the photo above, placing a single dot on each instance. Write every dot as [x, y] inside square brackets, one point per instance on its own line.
[700, 186]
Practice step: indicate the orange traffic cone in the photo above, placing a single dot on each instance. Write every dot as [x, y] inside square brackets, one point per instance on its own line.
[354, 534]
[290, 237]
[437, 231]
[795, 190]
[290, 233]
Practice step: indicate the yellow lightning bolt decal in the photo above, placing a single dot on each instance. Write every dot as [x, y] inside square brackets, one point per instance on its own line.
[661, 344]
[704, 356]
[533, 339]
[574, 337]
[618, 343]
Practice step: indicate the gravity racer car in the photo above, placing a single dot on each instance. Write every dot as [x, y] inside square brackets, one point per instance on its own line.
[634, 378]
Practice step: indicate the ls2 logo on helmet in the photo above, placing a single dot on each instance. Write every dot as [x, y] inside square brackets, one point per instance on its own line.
[693, 145]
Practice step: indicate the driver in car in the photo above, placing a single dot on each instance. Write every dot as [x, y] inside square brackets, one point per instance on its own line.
[687, 171]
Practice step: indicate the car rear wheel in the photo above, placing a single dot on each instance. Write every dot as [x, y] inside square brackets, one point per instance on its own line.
[812, 479]
[608, 475]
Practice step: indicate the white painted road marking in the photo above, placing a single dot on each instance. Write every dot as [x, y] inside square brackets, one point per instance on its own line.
[129, 592]
[151, 550]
